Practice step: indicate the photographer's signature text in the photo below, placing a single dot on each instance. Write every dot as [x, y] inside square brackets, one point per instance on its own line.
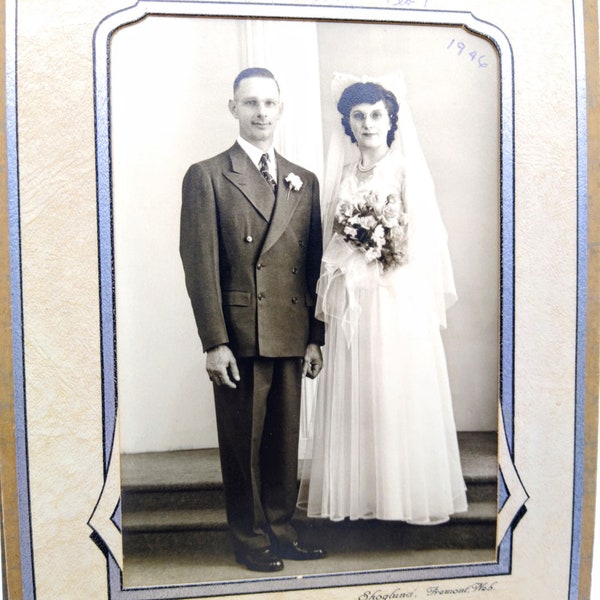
[430, 592]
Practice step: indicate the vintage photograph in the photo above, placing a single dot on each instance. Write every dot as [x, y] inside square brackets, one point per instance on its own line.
[306, 228]
[300, 299]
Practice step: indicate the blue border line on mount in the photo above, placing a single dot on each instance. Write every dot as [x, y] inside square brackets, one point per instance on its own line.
[16, 291]
[105, 243]
[144, 8]
[580, 357]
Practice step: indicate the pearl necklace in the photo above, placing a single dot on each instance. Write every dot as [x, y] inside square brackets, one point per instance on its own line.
[367, 169]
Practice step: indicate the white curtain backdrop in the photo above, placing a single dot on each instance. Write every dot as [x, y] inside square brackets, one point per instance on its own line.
[299, 136]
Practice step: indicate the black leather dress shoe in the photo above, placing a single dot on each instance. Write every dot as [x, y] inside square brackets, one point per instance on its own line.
[296, 551]
[261, 559]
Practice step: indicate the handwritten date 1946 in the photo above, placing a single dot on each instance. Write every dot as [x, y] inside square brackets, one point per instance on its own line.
[460, 47]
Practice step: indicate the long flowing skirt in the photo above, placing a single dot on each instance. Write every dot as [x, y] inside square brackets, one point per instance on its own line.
[384, 439]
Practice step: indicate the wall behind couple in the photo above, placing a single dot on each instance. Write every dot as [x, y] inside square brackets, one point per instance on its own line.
[170, 82]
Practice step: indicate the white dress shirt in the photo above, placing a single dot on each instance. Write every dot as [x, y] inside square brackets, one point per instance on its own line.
[255, 153]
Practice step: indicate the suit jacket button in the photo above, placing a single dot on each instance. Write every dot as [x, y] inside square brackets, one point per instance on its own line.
[294, 300]
[260, 296]
[249, 239]
[259, 266]
[294, 270]
[301, 243]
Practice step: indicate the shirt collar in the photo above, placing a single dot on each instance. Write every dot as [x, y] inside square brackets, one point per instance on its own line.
[255, 153]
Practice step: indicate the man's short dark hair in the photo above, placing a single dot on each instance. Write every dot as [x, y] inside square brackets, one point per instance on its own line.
[253, 72]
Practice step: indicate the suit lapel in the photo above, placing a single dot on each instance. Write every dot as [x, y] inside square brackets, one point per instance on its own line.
[246, 177]
[287, 200]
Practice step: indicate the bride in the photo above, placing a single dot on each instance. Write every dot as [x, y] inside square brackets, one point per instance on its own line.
[384, 438]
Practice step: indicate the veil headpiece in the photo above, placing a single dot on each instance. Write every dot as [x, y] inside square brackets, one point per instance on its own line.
[429, 239]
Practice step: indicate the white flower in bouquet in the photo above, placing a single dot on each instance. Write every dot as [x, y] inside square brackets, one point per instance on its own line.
[376, 225]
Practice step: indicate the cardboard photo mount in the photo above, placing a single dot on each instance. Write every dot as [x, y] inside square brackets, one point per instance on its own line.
[60, 434]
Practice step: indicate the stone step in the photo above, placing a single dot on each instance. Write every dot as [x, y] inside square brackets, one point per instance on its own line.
[165, 500]
[183, 491]
[178, 519]
[475, 529]
[200, 469]
[213, 498]
[214, 519]
[192, 478]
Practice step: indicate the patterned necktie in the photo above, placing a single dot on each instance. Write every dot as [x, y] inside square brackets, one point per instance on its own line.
[264, 171]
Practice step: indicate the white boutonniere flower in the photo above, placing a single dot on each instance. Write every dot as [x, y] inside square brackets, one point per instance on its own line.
[294, 182]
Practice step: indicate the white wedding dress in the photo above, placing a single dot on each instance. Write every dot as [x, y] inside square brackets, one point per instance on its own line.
[384, 441]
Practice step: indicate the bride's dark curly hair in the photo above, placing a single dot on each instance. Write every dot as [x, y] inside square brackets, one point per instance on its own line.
[369, 93]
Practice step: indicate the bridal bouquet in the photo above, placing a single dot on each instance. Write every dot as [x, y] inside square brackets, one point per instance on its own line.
[375, 225]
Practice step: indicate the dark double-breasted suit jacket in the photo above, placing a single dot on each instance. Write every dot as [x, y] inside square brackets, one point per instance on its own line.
[251, 267]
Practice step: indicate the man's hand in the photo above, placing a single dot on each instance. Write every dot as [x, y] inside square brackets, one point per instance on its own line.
[313, 361]
[221, 366]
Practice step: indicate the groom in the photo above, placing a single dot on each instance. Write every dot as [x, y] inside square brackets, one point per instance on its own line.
[251, 250]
